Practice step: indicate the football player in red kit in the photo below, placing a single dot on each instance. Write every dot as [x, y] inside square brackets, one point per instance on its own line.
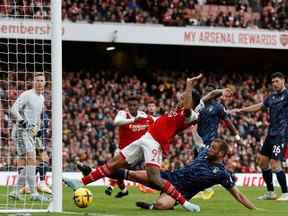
[131, 125]
[149, 149]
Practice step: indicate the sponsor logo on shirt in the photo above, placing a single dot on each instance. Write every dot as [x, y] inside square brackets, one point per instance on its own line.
[136, 128]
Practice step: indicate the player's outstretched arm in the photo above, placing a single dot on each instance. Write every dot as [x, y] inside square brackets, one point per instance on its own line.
[187, 98]
[252, 108]
[216, 94]
[240, 197]
[197, 140]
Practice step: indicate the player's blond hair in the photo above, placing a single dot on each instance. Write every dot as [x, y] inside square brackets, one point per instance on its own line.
[37, 74]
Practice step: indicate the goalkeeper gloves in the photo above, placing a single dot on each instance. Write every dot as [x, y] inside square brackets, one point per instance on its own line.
[25, 124]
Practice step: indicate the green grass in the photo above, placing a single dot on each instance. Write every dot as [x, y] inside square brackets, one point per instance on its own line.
[221, 204]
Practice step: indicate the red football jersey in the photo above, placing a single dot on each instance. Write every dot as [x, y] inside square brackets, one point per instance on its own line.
[130, 132]
[164, 129]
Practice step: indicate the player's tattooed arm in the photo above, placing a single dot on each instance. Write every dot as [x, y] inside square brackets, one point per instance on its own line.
[216, 94]
[240, 197]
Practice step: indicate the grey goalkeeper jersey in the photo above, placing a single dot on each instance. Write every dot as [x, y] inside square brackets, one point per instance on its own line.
[28, 106]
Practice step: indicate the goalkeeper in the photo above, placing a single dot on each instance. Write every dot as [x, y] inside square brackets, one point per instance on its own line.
[27, 111]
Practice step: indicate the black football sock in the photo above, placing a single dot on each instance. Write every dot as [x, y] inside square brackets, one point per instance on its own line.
[282, 180]
[267, 176]
[43, 168]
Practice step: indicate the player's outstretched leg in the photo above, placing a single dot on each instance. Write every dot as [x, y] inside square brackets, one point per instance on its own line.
[164, 202]
[74, 184]
[106, 170]
[165, 186]
[84, 169]
[155, 181]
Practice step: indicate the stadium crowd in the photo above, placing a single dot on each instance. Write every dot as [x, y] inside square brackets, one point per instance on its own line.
[91, 101]
[267, 14]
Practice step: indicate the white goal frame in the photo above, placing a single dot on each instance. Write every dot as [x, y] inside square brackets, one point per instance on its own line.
[56, 61]
[56, 39]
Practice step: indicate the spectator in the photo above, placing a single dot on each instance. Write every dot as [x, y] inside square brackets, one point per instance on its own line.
[238, 13]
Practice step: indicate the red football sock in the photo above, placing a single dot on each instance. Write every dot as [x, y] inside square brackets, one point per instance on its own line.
[98, 173]
[171, 190]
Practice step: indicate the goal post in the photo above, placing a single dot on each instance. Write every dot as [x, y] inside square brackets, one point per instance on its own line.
[56, 105]
[30, 42]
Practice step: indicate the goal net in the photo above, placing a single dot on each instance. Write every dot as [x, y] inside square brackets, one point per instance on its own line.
[25, 50]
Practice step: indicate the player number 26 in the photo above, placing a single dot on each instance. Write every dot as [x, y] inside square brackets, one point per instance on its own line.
[276, 149]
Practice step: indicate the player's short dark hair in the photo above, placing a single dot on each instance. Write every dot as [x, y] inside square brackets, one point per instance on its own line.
[196, 97]
[223, 145]
[277, 75]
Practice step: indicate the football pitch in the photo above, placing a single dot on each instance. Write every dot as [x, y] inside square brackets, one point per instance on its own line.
[221, 204]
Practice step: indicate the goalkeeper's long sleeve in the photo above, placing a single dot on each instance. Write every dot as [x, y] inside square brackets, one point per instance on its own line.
[17, 106]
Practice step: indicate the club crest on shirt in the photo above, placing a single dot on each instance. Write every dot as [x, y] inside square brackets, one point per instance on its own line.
[210, 109]
[215, 170]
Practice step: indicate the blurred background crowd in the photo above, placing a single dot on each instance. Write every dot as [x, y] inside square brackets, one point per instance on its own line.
[92, 99]
[267, 14]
